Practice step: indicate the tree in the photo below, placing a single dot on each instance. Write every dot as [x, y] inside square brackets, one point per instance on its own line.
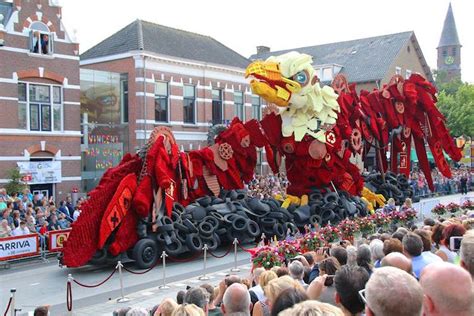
[456, 102]
[15, 184]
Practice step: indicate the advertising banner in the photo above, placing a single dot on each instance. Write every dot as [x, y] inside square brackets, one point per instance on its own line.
[39, 172]
[18, 246]
[57, 239]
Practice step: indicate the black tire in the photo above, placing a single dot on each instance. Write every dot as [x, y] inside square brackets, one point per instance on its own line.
[315, 219]
[175, 248]
[206, 229]
[279, 231]
[99, 257]
[212, 243]
[145, 253]
[253, 229]
[240, 223]
[194, 243]
[292, 227]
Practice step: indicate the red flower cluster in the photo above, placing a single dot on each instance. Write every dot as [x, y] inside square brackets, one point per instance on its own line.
[453, 207]
[439, 209]
[348, 227]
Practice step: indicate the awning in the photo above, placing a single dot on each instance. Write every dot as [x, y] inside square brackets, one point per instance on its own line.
[414, 158]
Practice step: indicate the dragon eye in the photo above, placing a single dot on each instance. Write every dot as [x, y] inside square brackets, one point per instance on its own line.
[301, 77]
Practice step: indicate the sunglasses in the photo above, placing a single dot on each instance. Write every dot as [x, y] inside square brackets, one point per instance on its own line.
[362, 296]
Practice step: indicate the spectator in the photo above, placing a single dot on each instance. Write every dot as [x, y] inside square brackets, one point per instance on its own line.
[376, 251]
[282, 271]
[63, 222]
[187, 310]
[390, 206]
[364, 258]
[199, 297]
[262, 307]
[53, 225]
[30, 224]
[44, 229]
[412, 248]
[16, 219]
[63, 209]
[21, 230]
[236, 301]
[393, 292]
[351, 255]
[212, 310]
[166, 308]
[426, 239]
[340, 253]
[121, 311]
[180, 297]
[392, 245]
[276, 286]
[287, 299]
[452, 230]
[398, 260]
[296, 269]
[429, 222]
[77, 213]
[3, 205]
[467, 252]
[312, 308]
[349, 280]
[5, 229]
[437, 234]
[448, 290]
[327, 268]
[257, 291]
[41, 311]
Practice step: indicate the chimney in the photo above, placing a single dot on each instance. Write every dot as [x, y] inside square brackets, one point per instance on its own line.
[263, 49]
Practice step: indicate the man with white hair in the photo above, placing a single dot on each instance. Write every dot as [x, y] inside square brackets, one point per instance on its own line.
[448, 290]
[296, 270]
[257, 289]
[393, 292]
[376, 250]
[467, 252]
[236, 301]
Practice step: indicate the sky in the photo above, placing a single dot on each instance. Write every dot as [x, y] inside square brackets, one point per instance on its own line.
[244, 24]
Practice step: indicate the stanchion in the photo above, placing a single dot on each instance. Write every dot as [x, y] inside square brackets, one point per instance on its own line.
[12, 305]
[69, 294]
[122, 298]
[235, 269]
[204, 276]
[163, 258]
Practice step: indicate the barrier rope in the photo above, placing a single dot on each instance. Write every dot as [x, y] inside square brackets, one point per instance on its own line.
[95, 285]
[69, 296]
[197, 254]
[244, 249]
[142, 272]
[8, 306]
[221, 256]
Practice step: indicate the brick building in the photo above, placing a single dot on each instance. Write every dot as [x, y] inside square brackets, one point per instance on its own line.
[39, 96]
[368, 62]
[170, 77]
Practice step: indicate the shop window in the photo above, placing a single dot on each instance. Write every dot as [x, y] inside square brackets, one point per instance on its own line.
[189, 104]
[40, 107]
[239, 104]
[161, 101]
[41, 39]
[256, 107]
[217, 106]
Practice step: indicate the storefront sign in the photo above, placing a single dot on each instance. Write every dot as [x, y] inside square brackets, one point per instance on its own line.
[57, 239]
[39, 172]
[19, 246]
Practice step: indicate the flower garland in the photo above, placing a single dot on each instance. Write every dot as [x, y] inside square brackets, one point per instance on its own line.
[468, 205]
[453, 207]
[267, 258]
[288, 249]
[312, 241]
[366, 225]
[439, 209]
[348, 228]
[330, 233]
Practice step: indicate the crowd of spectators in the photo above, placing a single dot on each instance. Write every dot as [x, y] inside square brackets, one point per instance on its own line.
[416, 271]
[461, 182]
[24, 213]
[266, 186]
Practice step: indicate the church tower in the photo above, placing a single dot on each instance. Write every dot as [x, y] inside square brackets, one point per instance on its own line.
[449, 48]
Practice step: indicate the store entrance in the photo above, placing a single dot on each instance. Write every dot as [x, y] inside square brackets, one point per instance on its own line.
[44, 190]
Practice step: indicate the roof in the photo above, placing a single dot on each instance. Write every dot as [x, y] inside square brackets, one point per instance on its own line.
[5, 10]
[151, 37]
[363, 60]
[449, 35]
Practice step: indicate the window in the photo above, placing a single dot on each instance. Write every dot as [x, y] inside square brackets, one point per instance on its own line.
[41, 39]
[407, 74]
[327, 74]
[454, 51]
[40, 107]
[398, 70]
[124, 98]
[445, 52]
[189, 104]
[161, 101]
[216, 106]
[256, 107]
[239, 105]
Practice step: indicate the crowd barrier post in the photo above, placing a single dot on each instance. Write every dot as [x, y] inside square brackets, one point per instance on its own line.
[70, 279]
[12, 306]
[122, 298]
[235, 269]
[204, 276]
[164, 286]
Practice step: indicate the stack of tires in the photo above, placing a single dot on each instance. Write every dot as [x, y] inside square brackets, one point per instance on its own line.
[395, 186]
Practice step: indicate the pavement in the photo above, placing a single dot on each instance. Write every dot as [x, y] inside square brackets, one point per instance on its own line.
[40, 283]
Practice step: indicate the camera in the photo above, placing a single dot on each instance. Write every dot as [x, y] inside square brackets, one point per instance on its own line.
[455, 243]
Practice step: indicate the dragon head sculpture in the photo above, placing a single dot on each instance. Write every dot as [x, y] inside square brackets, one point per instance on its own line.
[290, 82]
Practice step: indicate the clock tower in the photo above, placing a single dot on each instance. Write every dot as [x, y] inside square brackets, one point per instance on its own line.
[449, 49]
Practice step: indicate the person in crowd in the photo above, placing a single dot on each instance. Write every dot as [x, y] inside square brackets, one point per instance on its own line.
[463, 184]
[199, 297]
[426, 239]
[392, 245]
[228, 281]
[273, 289]
[281, 271]
[21, 230]
[236, 301]
[287, 299]
[348, 281]
[452, 230]
[448, 290]
[429, 222]
[351, 255]
[262, 307]
[63, 209]
[121, 311]
[413, 248]
[212, 310]
[296, 269]
[44, 228]
[437, 234]
[398, 260]
[467, 252]
[63, 222]
[256, 292]
[340, 253]
[166, 308]
[3, 204]
[16, 219]
[5, 229]
[30, 224]
[312, 308]
[328, 268]
[53, 224]
[407, 205]
[76, 214]
[180, 297]
[41, 311]
[393, 292]
[364, 258]
[376, 251]
[187, 310]
[390, 206]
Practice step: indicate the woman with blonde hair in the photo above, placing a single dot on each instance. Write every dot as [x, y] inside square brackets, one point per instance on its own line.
[166, 307]
[274, 288]
[312, 308]
[262, 308]
[188, 310]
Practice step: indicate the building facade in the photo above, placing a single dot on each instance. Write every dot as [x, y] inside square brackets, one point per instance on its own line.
[449, 50]
[39, 95]
[182, 80]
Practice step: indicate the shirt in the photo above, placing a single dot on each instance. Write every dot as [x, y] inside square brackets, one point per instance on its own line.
[20, 231]
[421, 261]
[259, 292]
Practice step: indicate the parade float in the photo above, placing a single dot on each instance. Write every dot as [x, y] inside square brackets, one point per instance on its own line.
[165, 199]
